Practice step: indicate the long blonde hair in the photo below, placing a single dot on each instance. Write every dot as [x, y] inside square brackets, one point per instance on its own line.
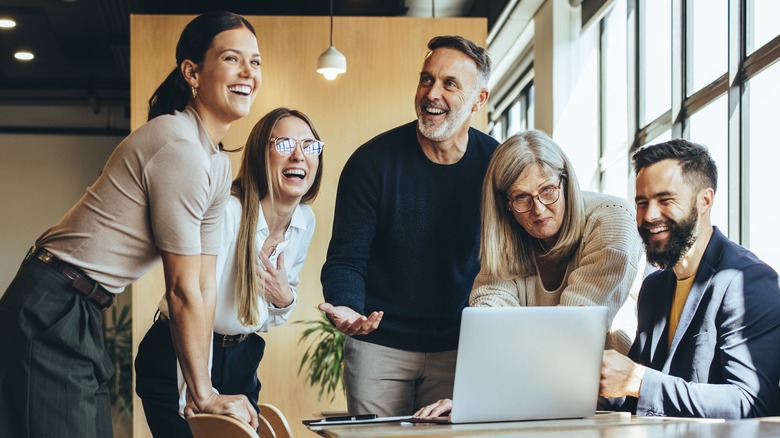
[506, 248]
[252, 184]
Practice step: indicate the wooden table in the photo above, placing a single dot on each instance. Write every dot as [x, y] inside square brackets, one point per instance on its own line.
[614, 425]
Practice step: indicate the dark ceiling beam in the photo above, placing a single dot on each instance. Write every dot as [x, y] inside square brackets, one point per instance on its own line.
[80, 132]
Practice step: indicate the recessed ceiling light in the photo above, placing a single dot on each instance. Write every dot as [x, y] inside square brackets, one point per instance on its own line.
[24, 56]
[7, 23]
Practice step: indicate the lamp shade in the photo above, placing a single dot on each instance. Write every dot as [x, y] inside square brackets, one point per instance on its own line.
[331, 63]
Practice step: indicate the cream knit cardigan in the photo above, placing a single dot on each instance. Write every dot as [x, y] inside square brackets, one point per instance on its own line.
[602, 272]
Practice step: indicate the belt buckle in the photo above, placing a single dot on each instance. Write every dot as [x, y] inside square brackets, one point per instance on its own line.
[231, 340]
[45, 256]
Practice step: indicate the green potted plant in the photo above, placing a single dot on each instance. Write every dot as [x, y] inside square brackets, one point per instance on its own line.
[324, 357]
[118, 339]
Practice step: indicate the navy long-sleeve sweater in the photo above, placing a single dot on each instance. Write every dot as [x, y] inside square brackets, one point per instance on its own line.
[406, 238]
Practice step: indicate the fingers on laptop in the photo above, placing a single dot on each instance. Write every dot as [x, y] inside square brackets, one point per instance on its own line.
[433, 410]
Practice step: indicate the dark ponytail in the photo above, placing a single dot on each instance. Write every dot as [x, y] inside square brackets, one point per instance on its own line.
[195, 40]
[172, 95]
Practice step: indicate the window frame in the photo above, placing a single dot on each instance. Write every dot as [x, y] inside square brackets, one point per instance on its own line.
[741, 68]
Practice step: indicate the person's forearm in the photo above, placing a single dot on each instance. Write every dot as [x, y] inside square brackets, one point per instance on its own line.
[282, 299]
[279, 315]
[490, 291]
[342, 286]
[191, 332]
[634, 380]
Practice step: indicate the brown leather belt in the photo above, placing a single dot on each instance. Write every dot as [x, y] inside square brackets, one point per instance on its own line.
[79, 280]
[225, 341]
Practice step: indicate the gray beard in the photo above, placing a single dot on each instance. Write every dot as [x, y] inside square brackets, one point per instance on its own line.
[452, 122]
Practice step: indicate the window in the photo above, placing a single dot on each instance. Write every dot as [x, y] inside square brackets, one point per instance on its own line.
[516, 115]
[762, 20]
[614, 159]
[578, 131]
[515, 120]
[707, 42]
[729, 107]
[761, 186]
[709, 126]
[655, 57]
[497, 131]
[703, 70]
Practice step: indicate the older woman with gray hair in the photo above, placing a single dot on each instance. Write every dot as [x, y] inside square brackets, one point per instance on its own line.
[546, 243]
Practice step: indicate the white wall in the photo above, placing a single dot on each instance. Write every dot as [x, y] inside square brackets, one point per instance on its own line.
[42, 176]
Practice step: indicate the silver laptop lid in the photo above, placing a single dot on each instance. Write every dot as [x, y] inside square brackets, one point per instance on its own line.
[528, 363]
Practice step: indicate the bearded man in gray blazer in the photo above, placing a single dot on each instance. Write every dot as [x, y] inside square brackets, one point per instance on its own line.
[709, 319]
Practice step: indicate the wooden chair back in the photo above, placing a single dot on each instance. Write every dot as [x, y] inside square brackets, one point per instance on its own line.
[279, 424]
[265, 429]
[219, 426]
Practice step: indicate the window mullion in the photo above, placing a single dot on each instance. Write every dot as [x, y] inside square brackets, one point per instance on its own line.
[640, 59]
[678, 67]
[737, 193]
[602, 102]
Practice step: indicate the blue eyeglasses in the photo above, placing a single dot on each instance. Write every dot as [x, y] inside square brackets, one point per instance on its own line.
[286, 145]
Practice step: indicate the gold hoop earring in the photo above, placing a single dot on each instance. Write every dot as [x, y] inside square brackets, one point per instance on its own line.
[194, 92]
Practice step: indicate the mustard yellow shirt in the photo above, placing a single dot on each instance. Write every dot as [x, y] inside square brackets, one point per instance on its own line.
[680, 295]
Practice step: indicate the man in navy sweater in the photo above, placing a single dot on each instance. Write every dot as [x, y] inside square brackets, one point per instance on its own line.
[404, 250]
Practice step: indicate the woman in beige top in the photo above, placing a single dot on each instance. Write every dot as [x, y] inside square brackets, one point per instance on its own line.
[546, 243]
[159, 199]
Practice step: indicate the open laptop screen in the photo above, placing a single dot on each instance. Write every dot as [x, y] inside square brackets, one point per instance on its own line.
[528, 363]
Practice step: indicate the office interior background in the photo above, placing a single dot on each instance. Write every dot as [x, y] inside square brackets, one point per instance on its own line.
[603, 77]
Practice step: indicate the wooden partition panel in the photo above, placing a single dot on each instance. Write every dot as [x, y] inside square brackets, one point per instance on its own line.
[384, 56]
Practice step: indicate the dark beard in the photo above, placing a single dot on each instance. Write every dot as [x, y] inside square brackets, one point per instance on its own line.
[683, 235]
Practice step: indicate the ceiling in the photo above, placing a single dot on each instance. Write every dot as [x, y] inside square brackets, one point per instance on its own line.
[82, 49]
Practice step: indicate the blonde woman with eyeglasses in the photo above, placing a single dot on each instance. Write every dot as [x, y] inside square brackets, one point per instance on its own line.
[546, 243]
[266, 233]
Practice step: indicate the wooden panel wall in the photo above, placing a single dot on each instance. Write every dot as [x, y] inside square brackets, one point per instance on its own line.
[384, 56]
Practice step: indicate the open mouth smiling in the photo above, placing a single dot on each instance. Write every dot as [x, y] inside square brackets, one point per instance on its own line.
[655, 229]
[434, 111]
[241, 90]
[294, 173]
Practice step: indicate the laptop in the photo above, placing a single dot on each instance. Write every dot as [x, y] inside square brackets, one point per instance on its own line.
[528, 363]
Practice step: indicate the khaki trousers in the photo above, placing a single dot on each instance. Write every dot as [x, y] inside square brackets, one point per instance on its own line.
[390, 382]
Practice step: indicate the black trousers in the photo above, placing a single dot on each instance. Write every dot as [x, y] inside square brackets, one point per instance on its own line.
[233, 371]
[54, 368]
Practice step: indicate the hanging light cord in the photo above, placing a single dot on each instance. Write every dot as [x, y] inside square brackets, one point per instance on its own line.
[331, 23]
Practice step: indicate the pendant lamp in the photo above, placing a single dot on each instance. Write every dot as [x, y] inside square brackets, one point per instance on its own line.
[331, 63]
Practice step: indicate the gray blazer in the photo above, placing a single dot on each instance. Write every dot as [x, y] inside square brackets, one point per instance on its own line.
[724, 361]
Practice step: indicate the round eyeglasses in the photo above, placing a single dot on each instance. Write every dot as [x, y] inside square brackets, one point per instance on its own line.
[548, 195]
[286, 145]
